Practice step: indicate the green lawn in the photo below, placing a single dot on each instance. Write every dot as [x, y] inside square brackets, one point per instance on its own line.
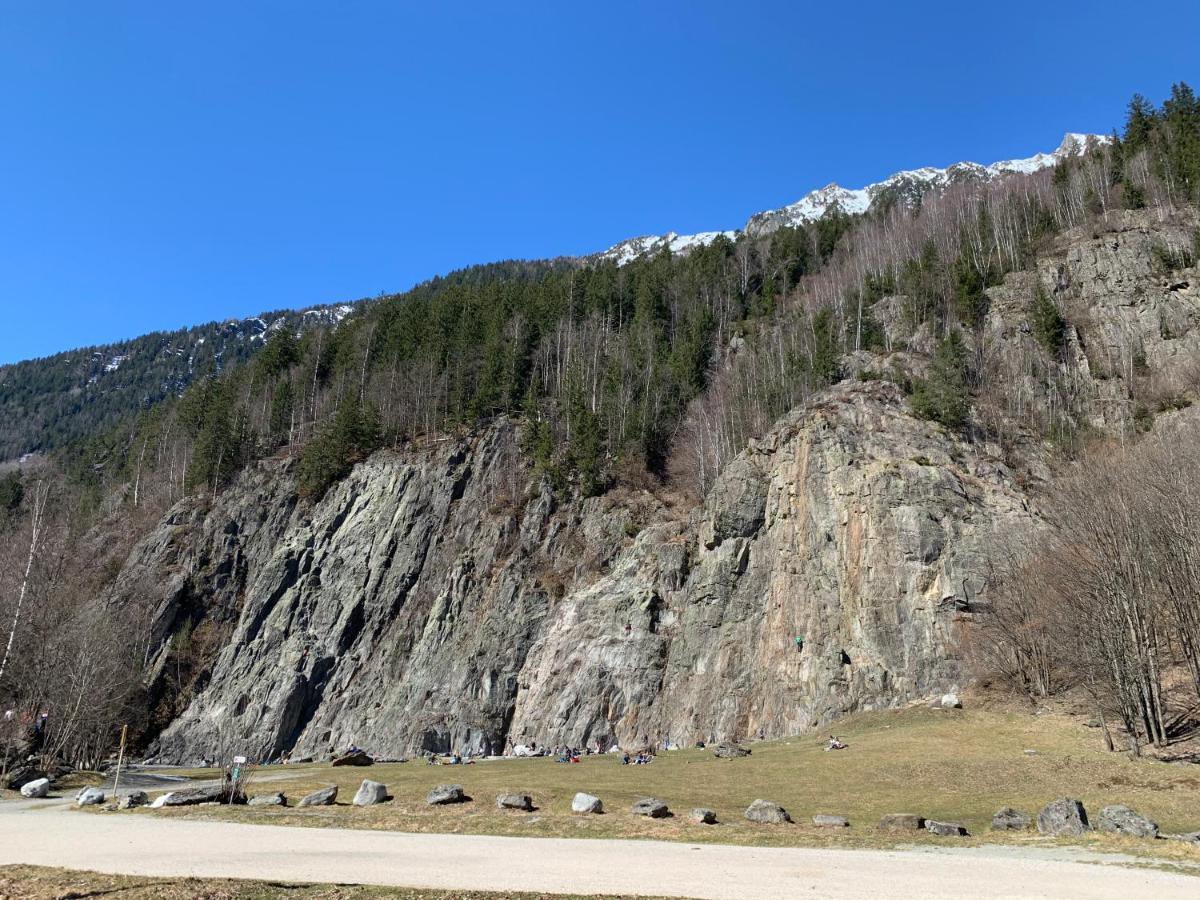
[957, 766]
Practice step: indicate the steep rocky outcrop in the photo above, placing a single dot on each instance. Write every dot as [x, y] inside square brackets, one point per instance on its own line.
[437, 599]
[442, 598]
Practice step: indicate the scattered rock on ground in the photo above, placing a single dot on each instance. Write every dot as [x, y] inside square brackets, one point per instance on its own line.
[446, 793]
[275, 799]
[1191, 837]
[20, 777]
[357, 758]
[370, 792]
[648, 806]
[39, 787]
[89, 796]
[1008, 819]
[133, 799]
[726, 750]
[902, 822]
[825, 821]
[160, 801]
[195, 796]
[1118, 819]
[323, 797]
[515, 801]
[766, 811]
[586, 803]
[1063, 816]
[704, 816]
[945, 829]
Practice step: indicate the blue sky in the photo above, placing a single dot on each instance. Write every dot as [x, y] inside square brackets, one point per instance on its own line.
[166, 164]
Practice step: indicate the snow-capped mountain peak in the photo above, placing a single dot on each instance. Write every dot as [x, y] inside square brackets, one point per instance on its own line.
[908, 186]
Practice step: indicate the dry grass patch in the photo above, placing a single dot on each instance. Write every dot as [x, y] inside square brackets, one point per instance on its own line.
[957, 766]
[40, 883]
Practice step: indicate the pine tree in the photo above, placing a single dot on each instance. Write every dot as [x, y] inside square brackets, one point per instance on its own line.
[945, 396]
[1049, 327]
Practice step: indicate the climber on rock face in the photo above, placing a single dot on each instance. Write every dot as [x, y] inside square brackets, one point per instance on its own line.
[799, 643]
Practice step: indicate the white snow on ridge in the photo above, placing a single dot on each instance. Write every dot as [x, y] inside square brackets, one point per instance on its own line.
[815, 204]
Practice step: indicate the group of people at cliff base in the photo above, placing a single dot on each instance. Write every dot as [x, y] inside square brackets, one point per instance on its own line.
[641, 759]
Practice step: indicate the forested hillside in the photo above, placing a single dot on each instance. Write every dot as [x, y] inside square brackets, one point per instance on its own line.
[48, 404]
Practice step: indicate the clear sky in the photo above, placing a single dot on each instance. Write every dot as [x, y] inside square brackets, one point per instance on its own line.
[165, 164]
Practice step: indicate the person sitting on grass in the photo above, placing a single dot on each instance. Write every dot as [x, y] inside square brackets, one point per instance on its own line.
[834, 744]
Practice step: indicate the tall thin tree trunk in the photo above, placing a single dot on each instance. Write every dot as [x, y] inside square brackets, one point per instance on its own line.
[39, 507]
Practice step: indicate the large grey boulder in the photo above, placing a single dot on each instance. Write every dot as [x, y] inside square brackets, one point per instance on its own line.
[823, 821]
[274, 799]
[1062, 817]
[1008, 819]
[370, 793]
[323, 797]
[39, 787]
[195, 796]
[726, 750]
[767, 812]
[945, 829]
[648, 806]
[444, 794]
[133, 800]
[586, 803]
[902, 822]
[355, 758]
[703, 816]
[1118, 819]
[90, 796]
[522, 802]
[22, 775]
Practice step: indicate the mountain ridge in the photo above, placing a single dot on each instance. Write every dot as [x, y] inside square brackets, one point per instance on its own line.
[908, 185]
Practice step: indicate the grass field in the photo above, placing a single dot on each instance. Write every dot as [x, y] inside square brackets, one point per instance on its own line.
[957, 766]
[39, 883]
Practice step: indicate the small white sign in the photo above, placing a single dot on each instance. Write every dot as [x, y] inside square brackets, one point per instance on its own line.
[239, 760]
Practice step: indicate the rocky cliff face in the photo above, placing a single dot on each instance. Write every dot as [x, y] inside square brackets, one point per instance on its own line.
[437, 599]
[440, 598]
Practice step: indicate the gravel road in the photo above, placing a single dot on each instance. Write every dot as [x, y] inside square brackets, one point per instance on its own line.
[141, 844]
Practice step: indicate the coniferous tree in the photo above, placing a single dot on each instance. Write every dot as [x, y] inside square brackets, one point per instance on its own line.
[944, 395]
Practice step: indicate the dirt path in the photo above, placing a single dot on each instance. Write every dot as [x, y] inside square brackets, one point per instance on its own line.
[138, 844]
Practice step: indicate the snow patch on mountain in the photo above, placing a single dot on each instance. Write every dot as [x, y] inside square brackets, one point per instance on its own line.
[907, 186]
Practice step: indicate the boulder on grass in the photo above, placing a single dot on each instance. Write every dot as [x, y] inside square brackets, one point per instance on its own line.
[586, 803]
[824, 821]
[902, 822]
[446, 793]
[702, 816]
[323, 797]
[1008, 819]
[767, 812]
[90, 796]
[275, 799]
[39, 787]
[945, 829]
[726, 750]
[1118, 819]
[648, 806]
[370, 793]
[522, 802]
[356, 758]
[133, 800]
[194, 796]
[1063, 816]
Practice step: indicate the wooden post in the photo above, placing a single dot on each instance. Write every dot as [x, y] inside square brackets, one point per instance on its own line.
[120, 759]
